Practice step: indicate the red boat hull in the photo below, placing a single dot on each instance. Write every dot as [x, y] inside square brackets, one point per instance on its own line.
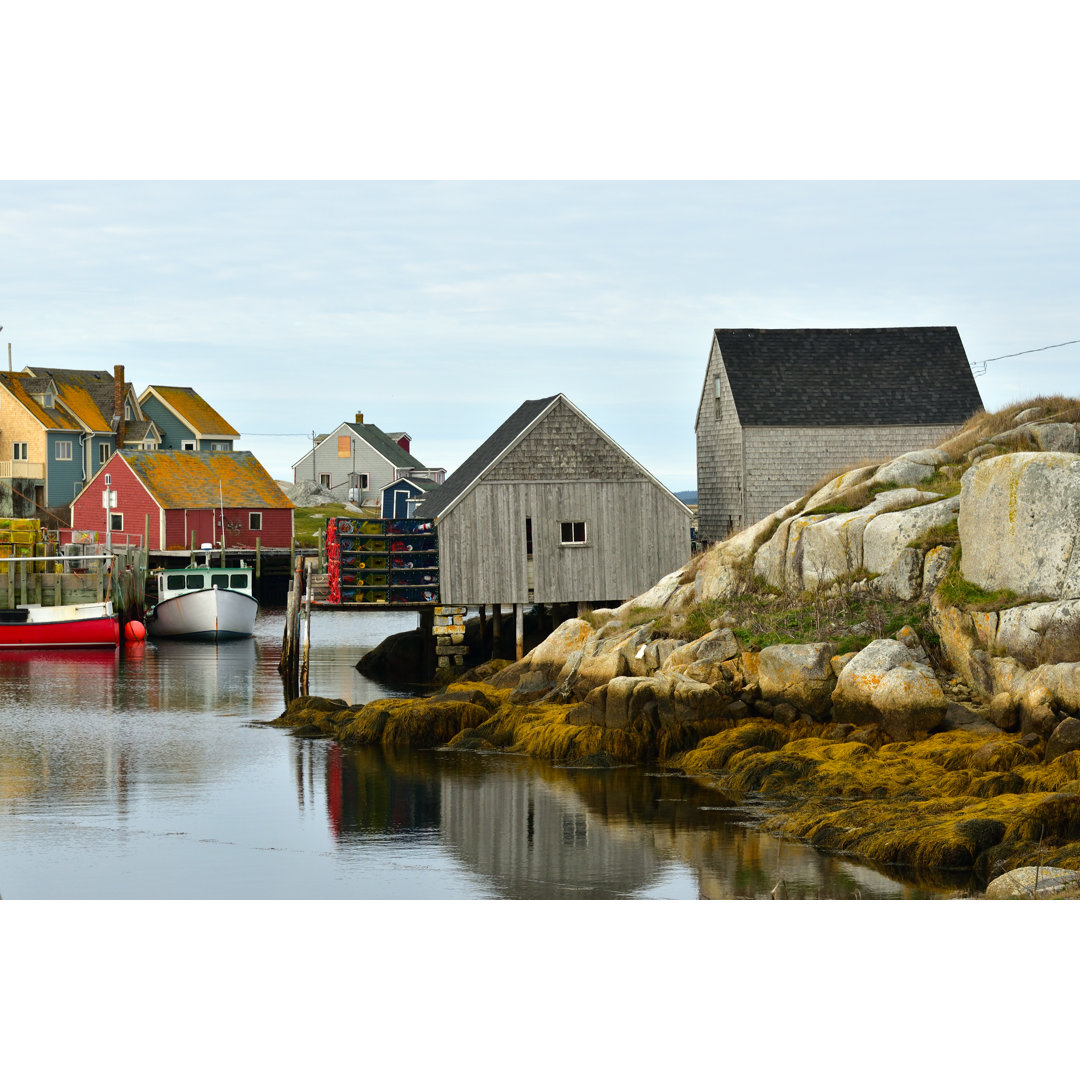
[97, 633]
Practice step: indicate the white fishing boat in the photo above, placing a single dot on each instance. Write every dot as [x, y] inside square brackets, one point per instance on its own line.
[203, 602]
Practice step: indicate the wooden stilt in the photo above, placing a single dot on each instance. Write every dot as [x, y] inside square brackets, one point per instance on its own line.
[307, 633]
[519, 631]
[496, 631]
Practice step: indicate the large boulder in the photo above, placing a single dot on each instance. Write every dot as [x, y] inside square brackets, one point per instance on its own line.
[1017, 523]
[1029, 882]
[553, 652]
[1064, 737]
[887, 536]
[884, 685]
[815, 549]
[909, 469]
[798, 675]
[1040, 633]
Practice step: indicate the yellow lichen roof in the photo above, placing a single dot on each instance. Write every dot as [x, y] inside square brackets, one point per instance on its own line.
[54, 418]
[186, 479]
[81, 405]
[195, 412]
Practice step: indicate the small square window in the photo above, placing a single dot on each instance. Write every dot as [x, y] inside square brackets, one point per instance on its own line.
[572, 532]
[63, 450]
[188, 444]
[255, 522]
[116, 522]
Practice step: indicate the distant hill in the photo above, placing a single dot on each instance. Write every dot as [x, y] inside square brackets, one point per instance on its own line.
[688, 497]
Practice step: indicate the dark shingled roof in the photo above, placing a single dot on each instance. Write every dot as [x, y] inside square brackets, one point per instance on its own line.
[484, 456]
[837, 378]
[379, 441]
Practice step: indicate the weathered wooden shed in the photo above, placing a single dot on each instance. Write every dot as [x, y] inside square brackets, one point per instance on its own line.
[550, 510]
[780, 409]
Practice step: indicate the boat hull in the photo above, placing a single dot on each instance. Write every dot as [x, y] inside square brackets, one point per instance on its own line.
[67, 626]
[206, 614]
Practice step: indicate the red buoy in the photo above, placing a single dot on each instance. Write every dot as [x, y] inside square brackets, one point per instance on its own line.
[134, 631]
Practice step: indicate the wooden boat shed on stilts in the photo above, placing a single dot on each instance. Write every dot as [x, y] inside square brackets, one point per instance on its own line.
[550, 510]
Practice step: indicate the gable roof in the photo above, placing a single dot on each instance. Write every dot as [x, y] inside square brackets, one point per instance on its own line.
[179, 479]
[378, 440]
[848, 377]
[486, 454]
[500, 442]
[419, 483]
[23, 387]
[184, 403]
[87, 395]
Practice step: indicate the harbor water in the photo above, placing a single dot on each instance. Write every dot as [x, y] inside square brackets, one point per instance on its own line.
[149, 774]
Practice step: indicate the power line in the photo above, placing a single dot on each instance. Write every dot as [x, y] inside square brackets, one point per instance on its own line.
[982, 370]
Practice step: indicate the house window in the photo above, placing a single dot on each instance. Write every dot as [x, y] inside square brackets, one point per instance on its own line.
[719, 391]
[573, 532]
[344, 446]
[103, 453]
[324, 479]
[188, 444]
[116, 522]
[255, 522]
[127, 412]
[363, 481]
[19, 452]
[63, 450]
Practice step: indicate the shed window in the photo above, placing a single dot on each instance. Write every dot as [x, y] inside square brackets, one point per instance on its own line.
[573, 532]
[325, 480]
[116, 522]
[255, 522]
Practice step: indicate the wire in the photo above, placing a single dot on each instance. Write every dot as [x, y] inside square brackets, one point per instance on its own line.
[1006, 356]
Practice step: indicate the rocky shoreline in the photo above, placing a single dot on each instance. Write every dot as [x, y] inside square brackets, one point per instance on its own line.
[894, 659]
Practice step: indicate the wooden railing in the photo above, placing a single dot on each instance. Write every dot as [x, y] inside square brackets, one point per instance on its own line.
[22, 470]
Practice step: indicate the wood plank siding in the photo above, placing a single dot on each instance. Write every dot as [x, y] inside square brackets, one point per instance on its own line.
[563, 469]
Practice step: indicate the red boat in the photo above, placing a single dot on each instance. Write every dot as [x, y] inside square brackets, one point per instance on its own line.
[63, 626]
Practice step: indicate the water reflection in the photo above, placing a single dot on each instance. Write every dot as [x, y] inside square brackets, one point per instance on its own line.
[143, 773]
[533, 831]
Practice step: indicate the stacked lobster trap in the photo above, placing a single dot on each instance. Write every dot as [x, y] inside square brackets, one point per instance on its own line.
[382, 561]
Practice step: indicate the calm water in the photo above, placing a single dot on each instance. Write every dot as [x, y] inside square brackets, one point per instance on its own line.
[142, 775]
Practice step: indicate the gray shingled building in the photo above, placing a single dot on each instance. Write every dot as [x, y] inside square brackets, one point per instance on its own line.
[780, 409]
[550, 510]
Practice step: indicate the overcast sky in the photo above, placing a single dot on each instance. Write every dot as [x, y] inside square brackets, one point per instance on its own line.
[437, 308]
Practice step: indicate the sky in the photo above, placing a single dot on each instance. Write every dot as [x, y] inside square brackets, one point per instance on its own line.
[437, 307]
[432, 212]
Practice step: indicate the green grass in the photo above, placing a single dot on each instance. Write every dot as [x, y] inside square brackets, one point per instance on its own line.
[309, 521]
[956, 591]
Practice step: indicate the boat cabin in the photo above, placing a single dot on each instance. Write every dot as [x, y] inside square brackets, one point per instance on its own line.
[194, 578]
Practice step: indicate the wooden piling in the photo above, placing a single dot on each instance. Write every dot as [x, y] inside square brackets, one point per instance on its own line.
[307, 633]
[519, 631]
[496, 631]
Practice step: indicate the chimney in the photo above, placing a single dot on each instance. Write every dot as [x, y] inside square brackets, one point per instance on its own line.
[359, 417]
[118, 406]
